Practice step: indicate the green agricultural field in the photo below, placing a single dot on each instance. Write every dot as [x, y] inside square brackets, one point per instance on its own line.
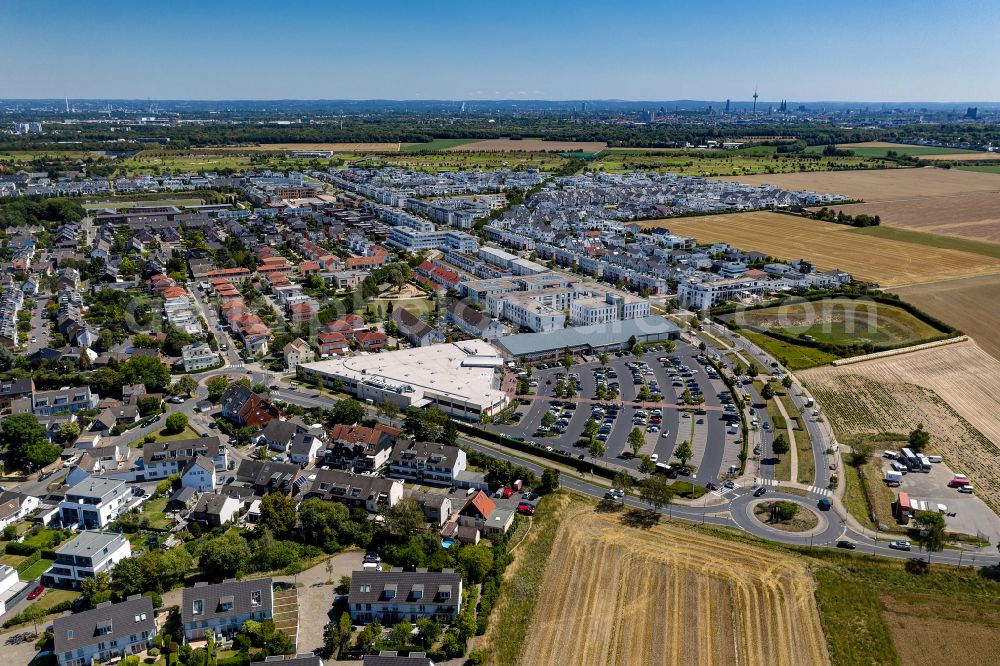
[456, 161]
[728, 163]
[982, 168]
[797, 357]
[840, 322]
[436, 144]
[900, 149]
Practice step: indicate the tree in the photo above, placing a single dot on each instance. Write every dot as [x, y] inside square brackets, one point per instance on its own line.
[347, 412]
[637, 349]
[919, 438]
[780, 445]
[400, 634]
[216, 387]
[476, 561]
[429, 631]
[603, 358]
[646, 465]
[428, 425]
[176, 423]
[548, 419]
[767, 392]
[388, 410]
[405, 518]
[932, 530]
[786, 381]
[146, 370]
[148, 404]
[753, 370]
[596, 450]
[656, 492]
[683, 452]
[784, 511]
[702, 347]
[26, 441]
[322, 523]
[590, 428]
[550, 480]
[225, 556]
[636, 440]
[277, 513]
[623, 482]
[185, 385]
[69, 431]
[96, 589]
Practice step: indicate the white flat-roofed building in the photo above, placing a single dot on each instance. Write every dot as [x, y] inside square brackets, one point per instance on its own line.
[705, 295]
[89, 553]
[95, 502]
[455, 378]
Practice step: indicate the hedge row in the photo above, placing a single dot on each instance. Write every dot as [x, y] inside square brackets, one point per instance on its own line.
[579, 465]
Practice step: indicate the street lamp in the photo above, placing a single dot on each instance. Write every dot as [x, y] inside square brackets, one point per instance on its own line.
[876, 539]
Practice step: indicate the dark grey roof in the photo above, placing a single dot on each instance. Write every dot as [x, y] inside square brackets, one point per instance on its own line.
[297, 660]
[279, 431]
[441, 588]
[599, 335]
[79, 630]
[278, 476]
[234, 592]
[210, 504]
[385, 658]
[336, 485]
[181, 450]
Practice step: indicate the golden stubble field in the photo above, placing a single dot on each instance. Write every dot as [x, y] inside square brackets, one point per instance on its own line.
[973, 215]
[669, 595]
[885, 261]
[971, 305]
[335, 147]
[882, 184]
[954, 390]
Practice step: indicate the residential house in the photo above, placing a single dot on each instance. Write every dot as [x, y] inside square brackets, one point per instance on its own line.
[215, 510]
[333, 344]
[224, 607]
[362, 491]
[371, 341]
[413, 330]
[198, 356]
[298, 351]
[437, 508]
[199, 474]
[392, 658]
[14, 389]
[305, 448]
[163, 459]
[391, 596]
[427, 462]
[269, 477]
[15, 506]
[59, 401]
[246, 408]
[105, 634]
[277, 434]
[470, 320]
[95, 503]
[360, 449]
[87, 554]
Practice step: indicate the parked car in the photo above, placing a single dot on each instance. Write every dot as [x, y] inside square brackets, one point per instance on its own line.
[526, 509]
[654, 457]
[372, 556]
[900, 545]
[846, 545]
[967, 489]
[35, 593]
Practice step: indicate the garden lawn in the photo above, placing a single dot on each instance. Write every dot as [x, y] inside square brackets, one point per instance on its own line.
[35, 570]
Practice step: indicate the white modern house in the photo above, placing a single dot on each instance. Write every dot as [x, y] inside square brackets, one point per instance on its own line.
[91, 552]
[95, 502]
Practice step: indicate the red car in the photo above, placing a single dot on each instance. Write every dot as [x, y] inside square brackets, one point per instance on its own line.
[35, 593]
[507, 492]
[526, 509]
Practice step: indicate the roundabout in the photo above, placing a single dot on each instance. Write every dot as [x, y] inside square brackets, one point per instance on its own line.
[787, 515]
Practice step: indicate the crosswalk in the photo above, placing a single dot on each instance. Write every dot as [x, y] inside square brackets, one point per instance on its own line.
[825, 492]
[768, 482]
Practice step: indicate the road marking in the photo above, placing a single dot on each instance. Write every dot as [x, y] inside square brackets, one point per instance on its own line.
[826, 492]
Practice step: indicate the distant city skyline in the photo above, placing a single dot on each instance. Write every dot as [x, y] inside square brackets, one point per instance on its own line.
[887, 52]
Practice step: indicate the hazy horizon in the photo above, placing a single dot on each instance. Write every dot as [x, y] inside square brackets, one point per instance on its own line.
[557, 51]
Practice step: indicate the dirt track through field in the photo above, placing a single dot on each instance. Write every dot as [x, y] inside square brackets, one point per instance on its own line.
[669, 595]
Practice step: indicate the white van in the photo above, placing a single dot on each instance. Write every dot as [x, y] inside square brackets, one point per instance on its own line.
[934, 459]
[891, 455]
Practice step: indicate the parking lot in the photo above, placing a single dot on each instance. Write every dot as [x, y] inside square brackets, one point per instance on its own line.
[617, 409]
[972, 516]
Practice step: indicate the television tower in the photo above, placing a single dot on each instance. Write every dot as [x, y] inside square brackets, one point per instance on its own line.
[755, 99]
[67, 104]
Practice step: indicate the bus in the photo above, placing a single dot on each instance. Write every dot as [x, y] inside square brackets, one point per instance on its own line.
[910, 459]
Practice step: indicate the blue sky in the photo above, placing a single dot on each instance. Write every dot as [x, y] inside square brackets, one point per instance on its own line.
[876, 50]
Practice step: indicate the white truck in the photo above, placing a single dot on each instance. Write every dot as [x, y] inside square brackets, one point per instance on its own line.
[893, 478]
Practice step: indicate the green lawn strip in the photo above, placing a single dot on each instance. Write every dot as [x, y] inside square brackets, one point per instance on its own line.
[797, 357]
[35, 570]
[519, 594]
[162, 436]
[803, 442]
[981, 168]
[856, 632]
[934, 240]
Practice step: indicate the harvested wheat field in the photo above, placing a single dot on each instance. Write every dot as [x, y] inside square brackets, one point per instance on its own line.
[977, 156]
[873, 185]
[669, 595]
[969, 304]
[954, 390]
[974, 215]
[882, 260]
[529, 145]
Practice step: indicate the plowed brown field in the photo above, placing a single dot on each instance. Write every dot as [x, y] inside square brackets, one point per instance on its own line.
[669, 595]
